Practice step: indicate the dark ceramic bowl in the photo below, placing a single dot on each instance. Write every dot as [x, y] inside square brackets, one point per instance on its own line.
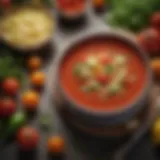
[90, 118]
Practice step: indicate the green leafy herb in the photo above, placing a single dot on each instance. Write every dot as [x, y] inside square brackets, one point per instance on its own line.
[9, 67]
[130, 14]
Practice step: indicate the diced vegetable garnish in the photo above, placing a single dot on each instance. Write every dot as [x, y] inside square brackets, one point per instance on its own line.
[81, 70]
[113, 89]
[116, 84]
[91, 86]
[102, 78]
[92, 61]
[103, 74]
[120, 76]
[104, 58]
[120, 60]
[109, 69]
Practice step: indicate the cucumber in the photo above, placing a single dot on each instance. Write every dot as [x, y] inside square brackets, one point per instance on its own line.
[13, 124]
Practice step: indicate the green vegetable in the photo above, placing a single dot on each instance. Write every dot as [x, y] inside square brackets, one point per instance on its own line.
[9, 67]
[132, 15]
[13, 124]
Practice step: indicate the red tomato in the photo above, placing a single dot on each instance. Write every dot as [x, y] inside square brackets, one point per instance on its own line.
[155, 20]
[11, 86]
[5, 3]
[7, 107]
[149, 40]
[28, 138]
[105, 59]
[103, 78]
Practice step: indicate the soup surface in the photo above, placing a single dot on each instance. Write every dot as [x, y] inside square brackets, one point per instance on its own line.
[71, 6]
[102, 74]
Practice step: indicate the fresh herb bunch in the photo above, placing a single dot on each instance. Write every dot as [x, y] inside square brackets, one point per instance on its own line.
[10, 67]
[130, 14]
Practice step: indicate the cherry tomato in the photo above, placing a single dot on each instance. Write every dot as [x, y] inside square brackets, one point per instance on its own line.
[98, 3]
[11, 86]
[34, 63]
[155, 20]
[28, 138]
[38, 78]
[55, 144]
[155, 65]
[30, 100]
[7, 107]
[149, 40]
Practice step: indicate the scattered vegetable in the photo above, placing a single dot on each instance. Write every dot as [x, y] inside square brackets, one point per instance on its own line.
[156, 132]
[11, 86]
[38, 78]
[30, 100]
[155, 20]
[155, 65]
[34, 63]
[28, 138]
[149, 40]
[7, 107]
[14, 123]
[56, 144]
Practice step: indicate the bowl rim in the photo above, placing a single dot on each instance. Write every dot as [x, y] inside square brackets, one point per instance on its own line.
[128, 40]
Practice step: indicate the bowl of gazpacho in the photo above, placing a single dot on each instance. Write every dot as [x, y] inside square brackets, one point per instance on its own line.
[104, 79]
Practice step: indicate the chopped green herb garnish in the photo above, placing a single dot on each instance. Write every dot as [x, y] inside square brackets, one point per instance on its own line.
[109, 69]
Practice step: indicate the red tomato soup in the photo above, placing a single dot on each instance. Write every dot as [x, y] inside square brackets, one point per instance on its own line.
[102, 74]
[71, 6]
